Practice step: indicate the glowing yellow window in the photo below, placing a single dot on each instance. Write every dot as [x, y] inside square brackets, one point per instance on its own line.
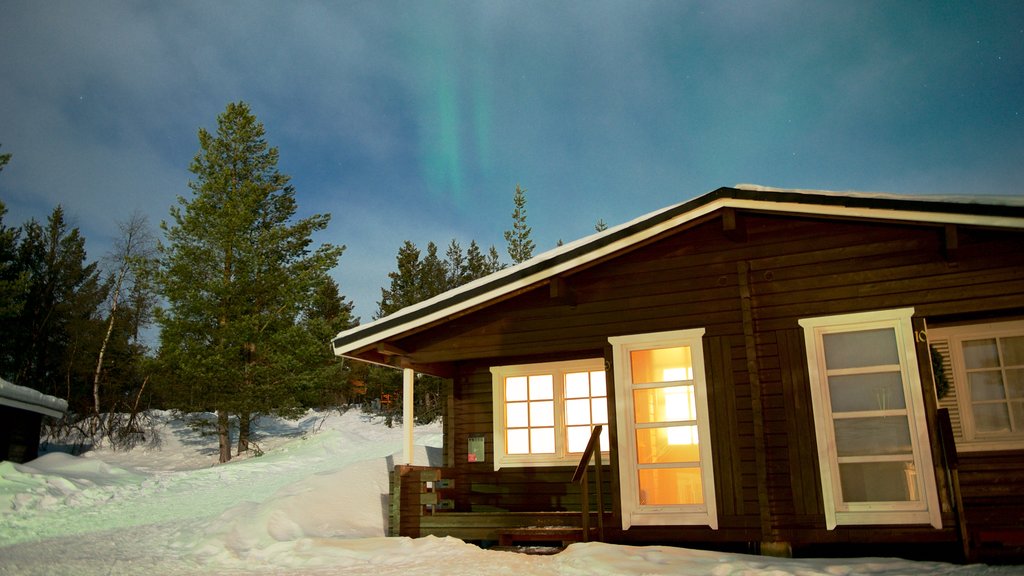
[665, 412]
[665, 459]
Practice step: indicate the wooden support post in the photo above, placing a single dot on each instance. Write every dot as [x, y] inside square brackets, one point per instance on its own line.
[753, 371]
[593, 450]
[585, 496]
[408, 377]
[600, 493]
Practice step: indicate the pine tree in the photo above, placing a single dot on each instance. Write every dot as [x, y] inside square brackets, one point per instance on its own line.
[14, 282]
[455, 265]
[404, 289]
[235, 270]
[520, 246]
[327, 312]
[58, 328]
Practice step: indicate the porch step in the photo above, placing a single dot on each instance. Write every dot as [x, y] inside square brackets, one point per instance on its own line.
[529, 550]
[566, 535]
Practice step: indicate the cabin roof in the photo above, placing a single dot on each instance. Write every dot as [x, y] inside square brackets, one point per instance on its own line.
[32, 400]
[990, 211]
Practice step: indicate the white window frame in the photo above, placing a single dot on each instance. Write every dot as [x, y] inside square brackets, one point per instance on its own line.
[561, 456]
[924, 511]
[955, 336]
[634, 513]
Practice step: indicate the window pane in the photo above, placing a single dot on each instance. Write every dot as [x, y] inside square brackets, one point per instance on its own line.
[670, 404]
[517, 441]
[1015, 383]
[577, 385]
[661, 365]
[872, 436]
[541, 387]
[670, 444]
[991, 417]
[598, 387]
[1017, 409]
[542, 413]
[577, 411]
[667, 486]
[515, 388]
[879, 482]
[1013, 351]
[599, 410]
[986, 385]
[516, 415]
[981, 354]
[577, 438]
[542, 440]
[861, 349]
[858, 392]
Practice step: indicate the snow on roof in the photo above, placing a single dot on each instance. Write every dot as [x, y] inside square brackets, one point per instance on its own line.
[987, 199]
[997, 211]
[29, 399]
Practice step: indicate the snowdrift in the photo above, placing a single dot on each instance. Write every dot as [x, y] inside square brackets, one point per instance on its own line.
[314, 503]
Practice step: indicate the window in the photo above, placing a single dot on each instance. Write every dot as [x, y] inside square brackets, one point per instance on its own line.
[869, 417]
[666, 472]
[544, 413]
[987, 373]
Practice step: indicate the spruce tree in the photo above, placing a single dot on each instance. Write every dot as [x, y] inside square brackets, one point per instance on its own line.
[520, 246]
[235, 270]
[455, 265]
[405, 288]
[57, 330]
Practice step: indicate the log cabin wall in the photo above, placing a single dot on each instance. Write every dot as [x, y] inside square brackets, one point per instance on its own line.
[747, 279]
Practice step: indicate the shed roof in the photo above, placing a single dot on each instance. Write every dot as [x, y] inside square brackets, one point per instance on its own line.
[1001, 211]
[32, 400]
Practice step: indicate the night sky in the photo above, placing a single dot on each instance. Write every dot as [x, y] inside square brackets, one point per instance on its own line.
[416, 120]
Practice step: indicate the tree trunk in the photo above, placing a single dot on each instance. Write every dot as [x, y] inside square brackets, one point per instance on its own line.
[244, 421]
[224, 435]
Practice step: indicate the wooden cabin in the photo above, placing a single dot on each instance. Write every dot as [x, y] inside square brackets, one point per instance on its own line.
[21, 416]
[776, 371]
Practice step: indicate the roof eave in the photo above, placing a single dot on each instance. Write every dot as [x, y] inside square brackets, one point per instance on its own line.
[560, 260]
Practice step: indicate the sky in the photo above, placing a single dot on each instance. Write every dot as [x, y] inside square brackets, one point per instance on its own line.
[416, 120]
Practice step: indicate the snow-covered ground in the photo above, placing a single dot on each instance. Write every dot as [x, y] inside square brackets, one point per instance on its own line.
[314, 503]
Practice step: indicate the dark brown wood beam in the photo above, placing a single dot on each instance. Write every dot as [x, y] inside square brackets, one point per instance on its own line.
[768, 534]
[386, 349]
[561, 293]
[951, 242]
[732, 225]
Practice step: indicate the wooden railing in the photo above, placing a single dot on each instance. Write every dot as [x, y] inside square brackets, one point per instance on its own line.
[580, 477]
[421, 504]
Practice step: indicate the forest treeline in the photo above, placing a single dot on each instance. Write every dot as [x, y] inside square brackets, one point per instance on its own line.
[227, 310]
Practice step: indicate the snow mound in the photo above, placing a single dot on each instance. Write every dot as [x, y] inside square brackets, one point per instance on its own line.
[314, 504]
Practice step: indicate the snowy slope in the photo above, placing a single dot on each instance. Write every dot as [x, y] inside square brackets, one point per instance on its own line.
[314, 503]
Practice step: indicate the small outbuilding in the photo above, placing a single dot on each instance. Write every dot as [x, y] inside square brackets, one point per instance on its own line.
[21, 415]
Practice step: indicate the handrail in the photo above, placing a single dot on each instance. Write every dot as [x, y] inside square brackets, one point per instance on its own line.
[580, 477]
